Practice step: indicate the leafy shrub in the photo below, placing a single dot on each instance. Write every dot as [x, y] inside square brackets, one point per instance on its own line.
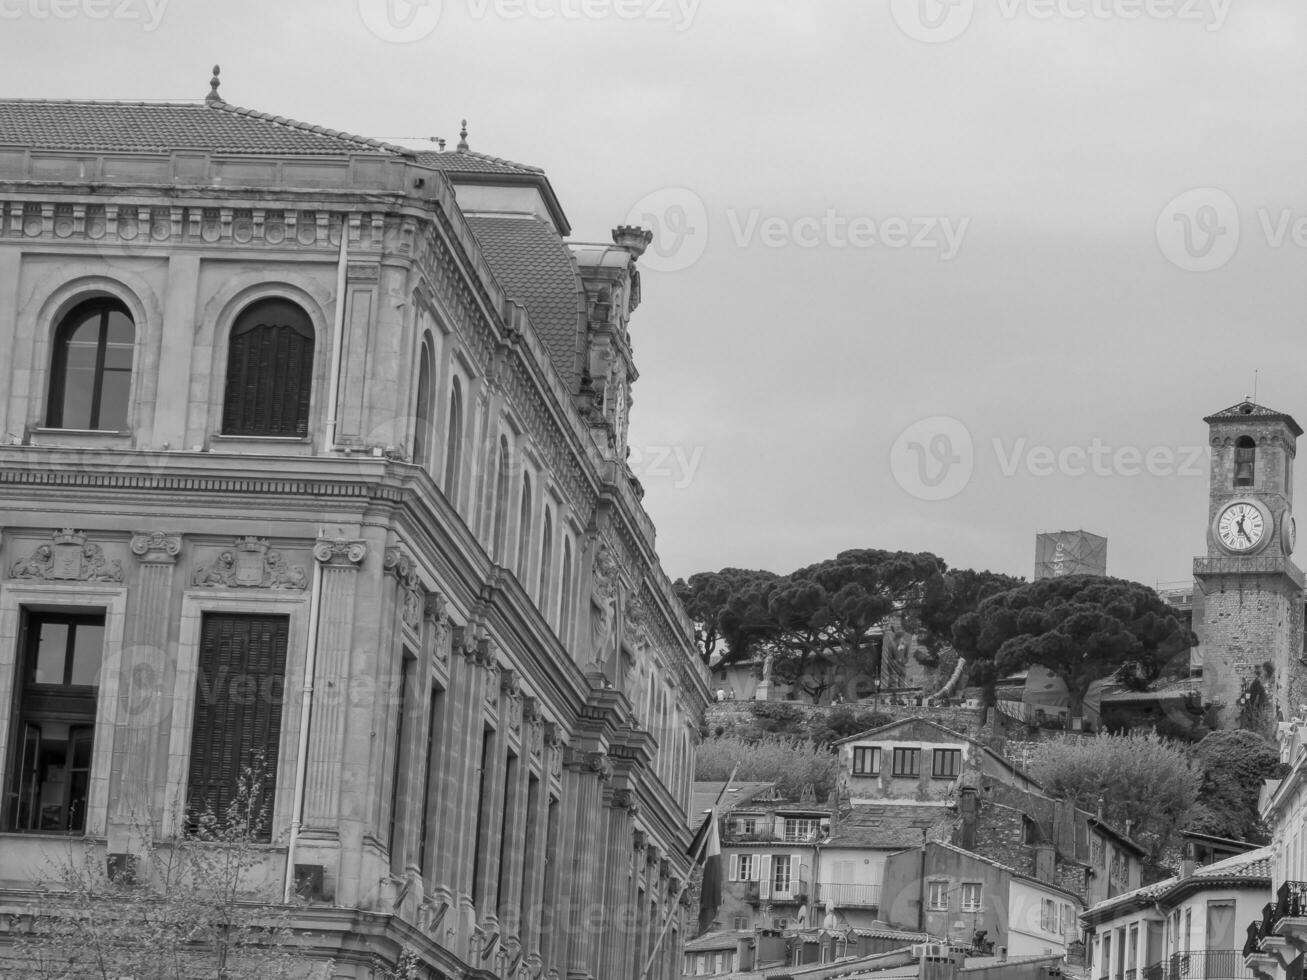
[790, 763]
[777, 716]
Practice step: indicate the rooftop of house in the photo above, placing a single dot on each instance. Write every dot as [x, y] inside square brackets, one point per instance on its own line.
[888, 826]
[711, 942]
[1252, 869]
[706, 794]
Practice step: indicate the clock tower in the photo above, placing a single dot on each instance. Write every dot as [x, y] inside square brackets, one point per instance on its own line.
[1250, 629]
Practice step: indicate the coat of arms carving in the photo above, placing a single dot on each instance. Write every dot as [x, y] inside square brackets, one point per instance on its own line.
[252, 564]
[69, 557]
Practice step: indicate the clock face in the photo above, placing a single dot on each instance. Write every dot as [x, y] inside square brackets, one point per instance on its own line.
[1240, 527]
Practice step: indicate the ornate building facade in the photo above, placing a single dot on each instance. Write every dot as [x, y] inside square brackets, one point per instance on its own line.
[314, 459]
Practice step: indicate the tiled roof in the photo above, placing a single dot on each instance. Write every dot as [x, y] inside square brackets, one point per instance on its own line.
[716, 940]
[887, 826]
[469, 162]
[706, 793]
[158, 127]
[1247, 409]
[1253, 867]
[536, 268]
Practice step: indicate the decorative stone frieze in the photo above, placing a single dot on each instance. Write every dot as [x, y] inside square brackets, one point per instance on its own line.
[252, 563]
[157, 547]
[70, 557]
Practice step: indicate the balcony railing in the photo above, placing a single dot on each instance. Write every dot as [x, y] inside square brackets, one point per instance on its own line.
[1290, 903]
[848, 894]
[1211, 964]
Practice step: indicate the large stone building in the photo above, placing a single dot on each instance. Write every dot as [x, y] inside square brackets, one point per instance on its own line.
[314, 454]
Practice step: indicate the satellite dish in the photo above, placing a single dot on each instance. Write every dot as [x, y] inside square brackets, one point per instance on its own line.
[802, 917]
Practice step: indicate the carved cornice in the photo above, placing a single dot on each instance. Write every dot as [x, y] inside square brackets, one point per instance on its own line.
[251, 563]
[69, 557]
[157, 547]
[341, 553]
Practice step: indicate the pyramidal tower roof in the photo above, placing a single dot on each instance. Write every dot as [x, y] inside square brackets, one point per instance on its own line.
[1249, 410]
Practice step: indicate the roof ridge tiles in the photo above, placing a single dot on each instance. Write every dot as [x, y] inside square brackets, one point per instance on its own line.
[309, 127]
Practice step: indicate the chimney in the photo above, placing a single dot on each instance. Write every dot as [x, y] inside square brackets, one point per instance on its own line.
[969, 810]
[1100, 808]
[1189, 863]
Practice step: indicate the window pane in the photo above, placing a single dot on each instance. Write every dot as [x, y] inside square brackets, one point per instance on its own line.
[88, 643]
[51, 646]
[120, 331]
[114, 389]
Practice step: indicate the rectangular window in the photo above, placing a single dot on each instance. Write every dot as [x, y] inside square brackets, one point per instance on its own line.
[238, 702]
[800, 829]
[971, 896]
[937, 896]
[1047, 915]
[748, 867]
[947, 764]
[907, 762]
[780, 866]
[748, 826]
[54, 722]
[741, 923]
[866, 760]
[397, 796]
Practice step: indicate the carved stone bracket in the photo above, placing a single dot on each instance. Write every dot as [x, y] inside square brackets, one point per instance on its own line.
[400, 564]
[597, 762]
[252, 563]
[341, 553]
[461, 642]
[157, 547]
[652, 855]
[69, 557]
[510, 683]
[625, 799]
[433, 608]
[639, 840]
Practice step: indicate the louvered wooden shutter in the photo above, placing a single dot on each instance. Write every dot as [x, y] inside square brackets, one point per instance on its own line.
[269, 372]
[734, 870]
[764, 877]
[238, 700]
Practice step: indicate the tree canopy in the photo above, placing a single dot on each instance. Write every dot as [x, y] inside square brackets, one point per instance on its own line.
[1080, 627]
[950, 595]
[831, 610]
[1143, 779]
[1234, 766]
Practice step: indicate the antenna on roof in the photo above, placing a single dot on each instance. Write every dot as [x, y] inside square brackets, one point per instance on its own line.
[214, 82]
[462, 139]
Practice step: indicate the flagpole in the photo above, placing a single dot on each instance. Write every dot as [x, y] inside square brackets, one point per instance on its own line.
[698, 853]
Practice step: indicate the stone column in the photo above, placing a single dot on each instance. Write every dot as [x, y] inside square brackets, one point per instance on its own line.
[340, 560]
[587, 882]
[557, 938]
[616, 941]
[464, 842]
[492, 821]
[511, 901]
[535, 853]
[145, 682]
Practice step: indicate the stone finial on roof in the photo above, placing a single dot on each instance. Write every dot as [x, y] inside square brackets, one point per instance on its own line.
[632, 238]
[214, 82]
[462, 139]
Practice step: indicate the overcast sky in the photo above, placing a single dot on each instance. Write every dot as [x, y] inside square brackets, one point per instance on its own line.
[929, 275]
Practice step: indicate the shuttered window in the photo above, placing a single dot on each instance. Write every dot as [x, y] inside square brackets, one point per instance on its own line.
[238, 702]
[269, 371]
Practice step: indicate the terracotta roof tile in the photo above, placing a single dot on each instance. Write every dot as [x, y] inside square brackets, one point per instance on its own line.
[156, 127]
[536, 268]
[470, 162]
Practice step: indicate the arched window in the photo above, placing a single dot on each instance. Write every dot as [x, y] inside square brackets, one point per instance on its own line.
[565, 590]
[454, 442]
[422, 411]
[524, 531]
[269, 371]
[501, 500]
[91, 371]
[546, 561]
[1245, 462]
